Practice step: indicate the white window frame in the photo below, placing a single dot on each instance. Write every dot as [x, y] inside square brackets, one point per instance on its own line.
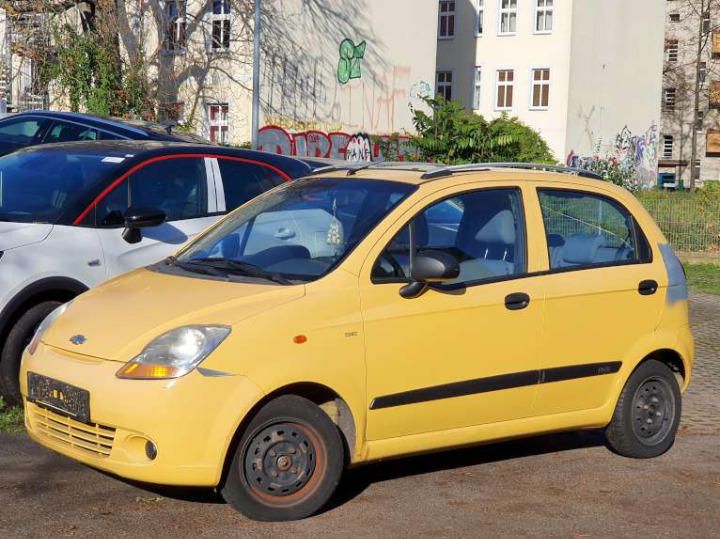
[221, 18]
[444, 84]
[477, 87]
[179, 25]
[479, 17]
[507, 11]
[539, 83]
[669, 104]
[672, 53]
[221, 121]
[671, 140]
[504, 84]
[447, 15]
[544, 9]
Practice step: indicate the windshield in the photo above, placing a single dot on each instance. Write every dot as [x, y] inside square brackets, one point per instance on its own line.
[37, 186]
[298, 232]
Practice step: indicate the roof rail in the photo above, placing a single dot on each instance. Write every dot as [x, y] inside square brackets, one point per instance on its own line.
[482, 167]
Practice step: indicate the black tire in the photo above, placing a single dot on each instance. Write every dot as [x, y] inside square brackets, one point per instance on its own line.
[17, 339]
[296, 441]
[647, 413]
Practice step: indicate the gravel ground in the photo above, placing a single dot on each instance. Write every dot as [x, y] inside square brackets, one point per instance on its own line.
[566, 485]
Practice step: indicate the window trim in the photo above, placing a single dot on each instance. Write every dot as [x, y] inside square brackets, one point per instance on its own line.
[501, 11]
[497, 89]
[479, 8]
[218, 123]
[541, 83]
[477, 282]
[545, 9]
[477, 93]
[451, 84]
[221, 18]
[447, 14]
[665, 140]
[637, 233]
[125, 175]
[176, 23]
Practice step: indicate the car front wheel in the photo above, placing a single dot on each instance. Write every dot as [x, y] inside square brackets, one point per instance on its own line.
[287, 462]
[647, 413]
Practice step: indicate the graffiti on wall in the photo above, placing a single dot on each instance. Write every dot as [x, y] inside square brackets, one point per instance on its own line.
[349, 63]
[333, 145]
[635, 156]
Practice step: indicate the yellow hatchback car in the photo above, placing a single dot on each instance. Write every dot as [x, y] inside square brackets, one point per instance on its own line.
[359, 315]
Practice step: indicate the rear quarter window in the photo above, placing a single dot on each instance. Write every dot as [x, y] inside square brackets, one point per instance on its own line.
[243, 181]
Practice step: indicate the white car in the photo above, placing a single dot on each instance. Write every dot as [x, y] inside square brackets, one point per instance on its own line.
[73, 215]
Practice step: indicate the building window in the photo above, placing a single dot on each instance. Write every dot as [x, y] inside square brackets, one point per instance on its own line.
[674, 17]
[175, 25]
[714, 96]
[218, 122]
[540, 88]
[712, 144]
[220, 21]
[505, 84]
[671, 50]
[667, 146]
[669, 95]
[706, 22]
[508, 16]
[702, 72]
[444, 84]
[700, 120]
[477, 87]
[446, 23]
[544, 16]
[480, 17]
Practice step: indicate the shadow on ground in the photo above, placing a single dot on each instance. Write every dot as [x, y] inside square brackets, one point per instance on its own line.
[356, 480]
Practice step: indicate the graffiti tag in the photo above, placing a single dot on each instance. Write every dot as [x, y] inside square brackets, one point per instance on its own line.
[349, 62]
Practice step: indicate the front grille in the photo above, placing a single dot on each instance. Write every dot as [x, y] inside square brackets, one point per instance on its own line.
[90, 438]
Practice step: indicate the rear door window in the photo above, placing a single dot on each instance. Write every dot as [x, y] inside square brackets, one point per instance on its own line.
[69, 132]
[244, 181]
[588, 229]
[176, 186]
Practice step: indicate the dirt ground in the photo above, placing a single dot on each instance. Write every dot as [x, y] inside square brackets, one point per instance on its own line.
[566, 485]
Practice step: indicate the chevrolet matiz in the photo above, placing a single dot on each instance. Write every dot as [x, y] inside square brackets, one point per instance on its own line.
[358, 315]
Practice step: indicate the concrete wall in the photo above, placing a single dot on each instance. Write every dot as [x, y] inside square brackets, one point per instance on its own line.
[616, 81]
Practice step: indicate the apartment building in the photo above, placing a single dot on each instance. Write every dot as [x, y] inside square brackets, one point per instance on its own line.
[690, 127]
[587, 74]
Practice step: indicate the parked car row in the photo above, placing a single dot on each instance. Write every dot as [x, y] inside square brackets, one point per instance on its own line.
[354, 314]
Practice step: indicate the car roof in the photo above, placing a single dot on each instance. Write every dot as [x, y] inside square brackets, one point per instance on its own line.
[421, 173]
[140, 150]
[119, 125]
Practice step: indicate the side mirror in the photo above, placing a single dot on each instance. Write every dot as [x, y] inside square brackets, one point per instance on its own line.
[430, 267]
[137, 218]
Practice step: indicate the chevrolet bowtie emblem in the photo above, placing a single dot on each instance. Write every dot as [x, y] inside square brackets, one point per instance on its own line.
[78, 339]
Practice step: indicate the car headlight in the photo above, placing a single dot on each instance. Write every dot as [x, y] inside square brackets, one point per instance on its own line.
[44, 325]
[175, 353]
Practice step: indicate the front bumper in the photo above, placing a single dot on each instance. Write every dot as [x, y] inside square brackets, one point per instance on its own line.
[191, 420]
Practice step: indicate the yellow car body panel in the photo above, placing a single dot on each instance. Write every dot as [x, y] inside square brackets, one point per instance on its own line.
[367, 345]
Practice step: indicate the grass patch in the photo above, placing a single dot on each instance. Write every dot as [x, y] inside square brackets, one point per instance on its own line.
[704, 277]
[11, 418]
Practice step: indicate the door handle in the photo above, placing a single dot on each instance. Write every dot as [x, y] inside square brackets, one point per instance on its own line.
[284, 234]
[647, 287]
[517, 301]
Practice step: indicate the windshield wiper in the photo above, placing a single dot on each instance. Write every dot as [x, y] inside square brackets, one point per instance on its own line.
[244, 268]
[196, 267]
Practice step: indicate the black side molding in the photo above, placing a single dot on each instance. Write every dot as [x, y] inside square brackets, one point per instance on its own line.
[495, 383]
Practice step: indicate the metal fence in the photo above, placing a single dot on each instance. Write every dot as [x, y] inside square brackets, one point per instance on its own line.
[689, 220]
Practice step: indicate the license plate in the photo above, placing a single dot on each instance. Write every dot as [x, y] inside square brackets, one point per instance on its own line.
[59, 397]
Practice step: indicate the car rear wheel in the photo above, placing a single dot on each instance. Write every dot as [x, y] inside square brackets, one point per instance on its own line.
[18, 338]
[647, 413]
[287, 462]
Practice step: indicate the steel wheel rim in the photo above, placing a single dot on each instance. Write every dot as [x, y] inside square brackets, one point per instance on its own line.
[284, 462]
[653, 411]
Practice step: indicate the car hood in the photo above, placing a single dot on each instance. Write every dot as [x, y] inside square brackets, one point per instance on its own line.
[14, 235]
[118, 319]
